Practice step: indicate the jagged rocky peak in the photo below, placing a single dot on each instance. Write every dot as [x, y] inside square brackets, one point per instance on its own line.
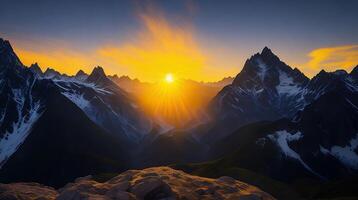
[7, 54]
[36, 69]
[267, 54]
[354, 72]
[81, 75]
[266, 69]
[51, 73]
[125, 78]
[98, 72]
[114, 77]
[324, 77]
[98, 76]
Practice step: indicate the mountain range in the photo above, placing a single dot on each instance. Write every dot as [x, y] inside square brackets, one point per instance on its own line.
[270, 119]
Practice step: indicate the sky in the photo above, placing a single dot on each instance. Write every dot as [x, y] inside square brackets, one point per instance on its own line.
[203, 40]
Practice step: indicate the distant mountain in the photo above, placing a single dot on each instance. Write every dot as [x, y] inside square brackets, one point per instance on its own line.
[192, 97]
[133, 86]
[107, 105]
[81, 75]
[282, 125]
[51, 74]
[270, 120]
[55, 124]
[35, 68]
[222, 83]
[267, 89]
[60, 144]
[7, 55]
[354, 74]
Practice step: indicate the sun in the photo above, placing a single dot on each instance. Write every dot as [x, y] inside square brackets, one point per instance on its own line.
[169, 78]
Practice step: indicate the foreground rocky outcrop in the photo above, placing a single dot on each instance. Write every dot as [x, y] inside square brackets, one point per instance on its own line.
[151, 183]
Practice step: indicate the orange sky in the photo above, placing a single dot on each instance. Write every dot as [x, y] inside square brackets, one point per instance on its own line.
[158, 48]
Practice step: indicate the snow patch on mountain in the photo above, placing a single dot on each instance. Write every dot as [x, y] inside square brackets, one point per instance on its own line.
[63, 82]
[351, 85]
[20, 130]
[78, 99]
[282, 138]
[263, 68]
[287, 85]
[346, 154]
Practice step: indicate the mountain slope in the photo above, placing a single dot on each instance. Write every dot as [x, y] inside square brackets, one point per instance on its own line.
[61, 148]
[107, 105]
[268, 89]
[45, 129]
[265, 89]
[317, 143]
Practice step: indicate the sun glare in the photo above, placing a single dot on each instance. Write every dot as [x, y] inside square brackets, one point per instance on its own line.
[169, 78]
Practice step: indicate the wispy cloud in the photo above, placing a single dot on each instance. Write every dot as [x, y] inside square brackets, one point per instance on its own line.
[332, 58]
[158, 48]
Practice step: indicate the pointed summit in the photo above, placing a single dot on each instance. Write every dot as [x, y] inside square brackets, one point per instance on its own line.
[36, 69]
[81, 75]
[7, 54]
[269, 57]
[98, 76]
[114, 78]
[354, 72]
[266, 50]
[97, 72]
[265, 69]
[51, 73]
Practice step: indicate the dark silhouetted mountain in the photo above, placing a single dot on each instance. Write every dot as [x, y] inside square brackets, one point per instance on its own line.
[63, 145]
[265, 89]
[81, 75]
[317, 141]
[268, 89]
[36, 69]
[7, 55]
[222, 83]
[107, 105]
[354, 73]
[113, 78]
[52, 74]
[60, 125]
[270, 120]
[99, 78]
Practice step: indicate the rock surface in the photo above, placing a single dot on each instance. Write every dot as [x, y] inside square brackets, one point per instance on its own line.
[151, 183]
[26, 191]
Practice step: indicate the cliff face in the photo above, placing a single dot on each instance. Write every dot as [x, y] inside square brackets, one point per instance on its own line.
[151, 183]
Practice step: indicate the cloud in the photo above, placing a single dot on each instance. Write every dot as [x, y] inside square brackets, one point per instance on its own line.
[332, 58]
[158, 48]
